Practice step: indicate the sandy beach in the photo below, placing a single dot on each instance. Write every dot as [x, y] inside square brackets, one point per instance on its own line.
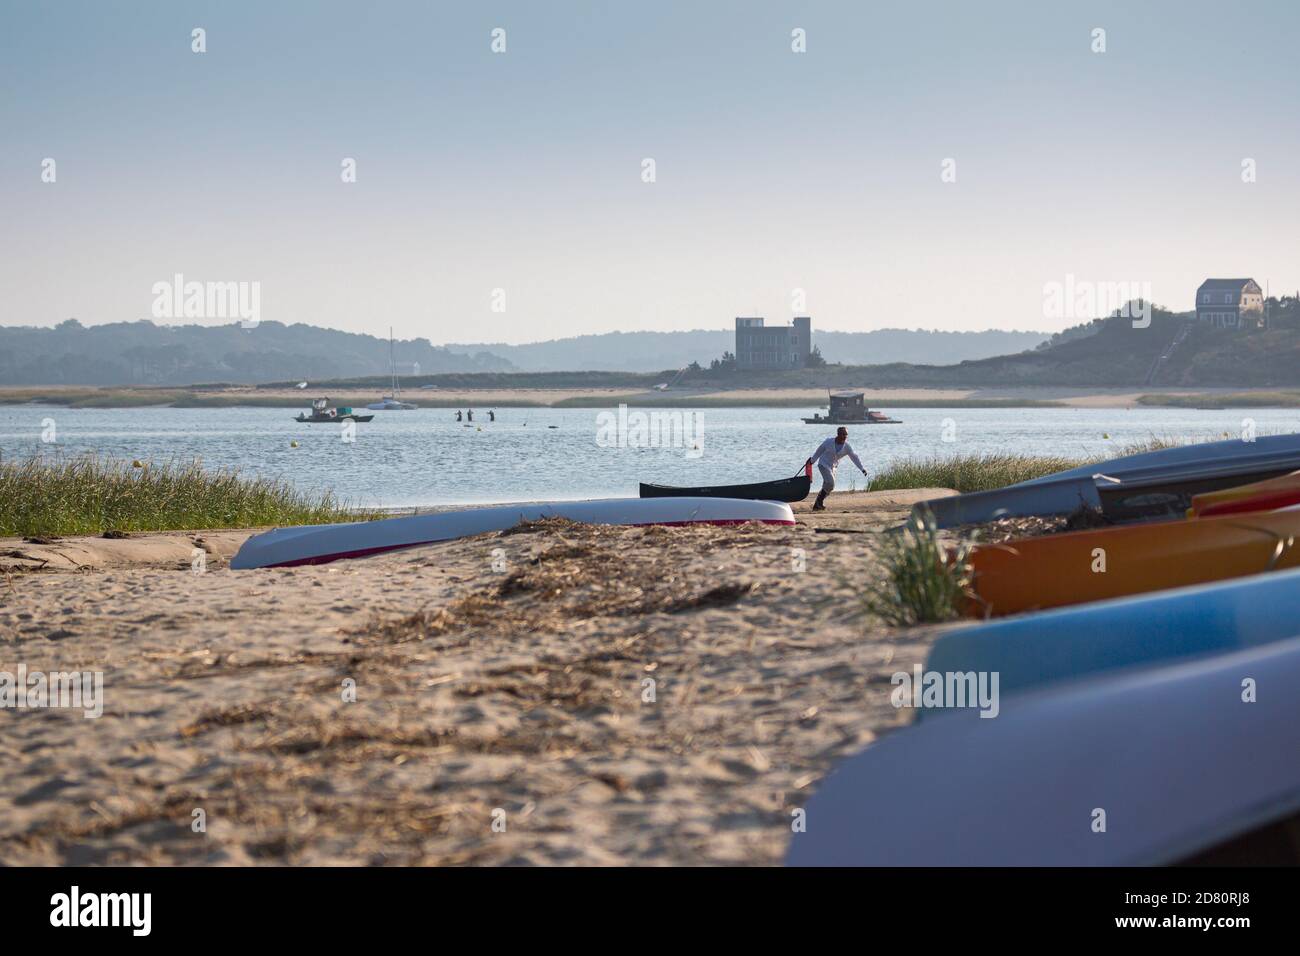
[560, 694]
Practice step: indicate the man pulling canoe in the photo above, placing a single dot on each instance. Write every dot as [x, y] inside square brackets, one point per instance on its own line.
[826, 457]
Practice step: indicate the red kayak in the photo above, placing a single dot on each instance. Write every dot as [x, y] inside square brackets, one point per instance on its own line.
[1281, 492]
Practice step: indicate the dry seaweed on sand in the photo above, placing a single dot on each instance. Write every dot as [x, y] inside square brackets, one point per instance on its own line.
[585, 574]
[467, 701]
[1007, 529]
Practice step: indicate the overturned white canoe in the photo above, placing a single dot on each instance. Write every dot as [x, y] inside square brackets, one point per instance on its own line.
[320, 544]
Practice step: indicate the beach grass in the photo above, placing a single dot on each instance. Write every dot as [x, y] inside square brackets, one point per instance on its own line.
[926, 579]
[90, 397]
[985, 472]
[967, 473]
[1209, 400]
[92, 495]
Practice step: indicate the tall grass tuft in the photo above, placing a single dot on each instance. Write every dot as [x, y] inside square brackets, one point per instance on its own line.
[967, 472]
[92, 495]
[925, 580]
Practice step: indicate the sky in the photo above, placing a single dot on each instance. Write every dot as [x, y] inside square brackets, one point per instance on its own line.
[524, 171]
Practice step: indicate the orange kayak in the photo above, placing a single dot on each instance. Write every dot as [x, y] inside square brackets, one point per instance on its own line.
[1081, 566]
[1280, 492]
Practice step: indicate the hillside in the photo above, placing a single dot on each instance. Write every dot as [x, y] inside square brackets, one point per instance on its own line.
[142, 353]
[1112, 353]
[1104, 353]
[655, 351]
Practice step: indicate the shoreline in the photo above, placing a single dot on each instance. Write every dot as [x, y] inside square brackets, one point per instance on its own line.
[847, 511]
[812, 399]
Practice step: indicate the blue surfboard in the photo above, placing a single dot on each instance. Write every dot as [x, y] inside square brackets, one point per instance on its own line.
[1076, 642]
[1140, 769]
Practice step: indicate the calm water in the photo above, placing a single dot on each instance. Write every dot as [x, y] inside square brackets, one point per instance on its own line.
[425, 457]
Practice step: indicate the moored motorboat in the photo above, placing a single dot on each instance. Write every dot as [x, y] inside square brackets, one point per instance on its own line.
[872, 418]
[849, 408]
[320, 544]
[323, 412]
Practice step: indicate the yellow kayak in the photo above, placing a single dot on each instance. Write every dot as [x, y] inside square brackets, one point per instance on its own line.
[1082, 566]
[1280, 492]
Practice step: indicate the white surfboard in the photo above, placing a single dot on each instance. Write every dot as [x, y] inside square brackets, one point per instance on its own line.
[319, 544]
[1172, 761]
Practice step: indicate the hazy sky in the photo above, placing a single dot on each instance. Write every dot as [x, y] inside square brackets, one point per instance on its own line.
[522, 170]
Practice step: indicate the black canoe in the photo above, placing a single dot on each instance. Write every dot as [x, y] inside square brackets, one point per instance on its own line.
[787, 489]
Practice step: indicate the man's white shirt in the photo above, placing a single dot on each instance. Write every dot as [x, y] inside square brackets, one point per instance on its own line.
[828, 454]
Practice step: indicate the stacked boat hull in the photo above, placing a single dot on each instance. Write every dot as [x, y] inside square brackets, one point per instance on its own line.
[1135, 487]
[1153, 723]
[1073, 568]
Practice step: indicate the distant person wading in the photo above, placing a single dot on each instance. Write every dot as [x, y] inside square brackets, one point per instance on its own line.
[826, 457]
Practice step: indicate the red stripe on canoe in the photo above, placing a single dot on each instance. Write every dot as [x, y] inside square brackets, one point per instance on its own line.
[1281, 499]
